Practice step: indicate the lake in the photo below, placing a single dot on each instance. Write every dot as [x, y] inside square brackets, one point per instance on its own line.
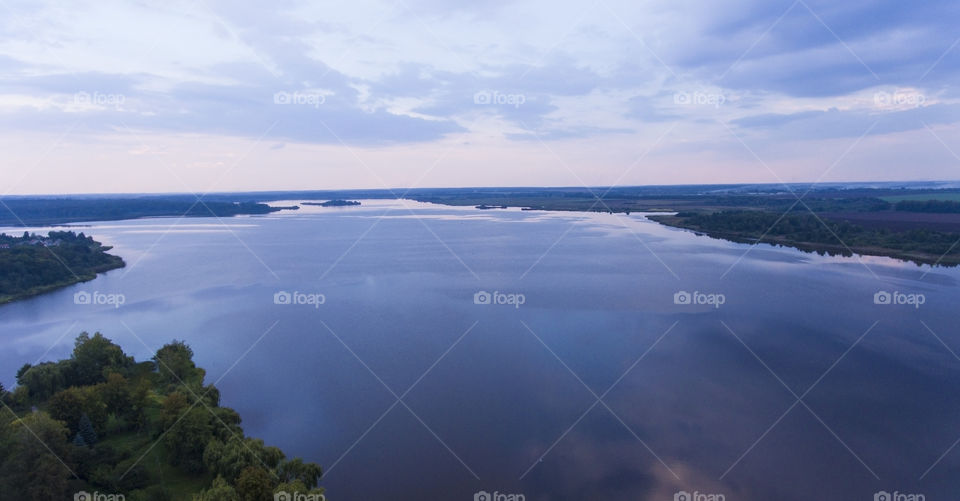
[419, 351]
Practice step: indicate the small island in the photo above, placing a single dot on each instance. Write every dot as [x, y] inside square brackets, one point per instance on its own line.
[334, 203]
[101, 422]
[488, 207]
[32, 264]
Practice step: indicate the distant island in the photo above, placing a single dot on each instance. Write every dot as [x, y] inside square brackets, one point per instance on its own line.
[488, 207]
[101, 422]
[31, 264]
[334, 203]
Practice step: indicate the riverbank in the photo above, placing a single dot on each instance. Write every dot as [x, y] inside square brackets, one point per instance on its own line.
[764, 234]
[31, 265]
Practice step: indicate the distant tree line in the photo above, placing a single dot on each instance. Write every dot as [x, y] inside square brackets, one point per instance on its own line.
[807, 228]
[40, 211]
[934, 206]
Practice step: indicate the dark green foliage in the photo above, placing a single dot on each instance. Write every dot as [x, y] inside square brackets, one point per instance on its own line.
[809, 229]
[130, 428]
[94, 356]
[43, 380]
[221, 490]
[34, 458]
[296, 470]
[187, 437]
[40, 211]
[230, 458]
[66, 406]
[175, 364]
[254, 484]
[32, 264]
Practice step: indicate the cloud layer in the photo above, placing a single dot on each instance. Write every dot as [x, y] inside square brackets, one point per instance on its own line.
[421, 75]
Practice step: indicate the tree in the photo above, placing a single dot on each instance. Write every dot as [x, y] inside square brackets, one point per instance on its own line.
[231, 457]
[187, 438]
[85, 430]
[139, 402]
[220, 490]
[93, 355]
[35, 466]
[42, 380]
[254, 484]
[296, 470]
[115, 393]
[174, 362]
[174, 405]
[67, 406]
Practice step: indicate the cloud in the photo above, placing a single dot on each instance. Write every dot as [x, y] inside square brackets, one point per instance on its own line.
[835, 123]
[373, 74]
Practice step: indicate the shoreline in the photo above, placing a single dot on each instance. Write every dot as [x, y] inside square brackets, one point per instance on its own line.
[43, 289]
[918, 258]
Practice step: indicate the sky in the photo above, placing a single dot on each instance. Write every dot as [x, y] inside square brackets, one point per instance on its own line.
[205, 96]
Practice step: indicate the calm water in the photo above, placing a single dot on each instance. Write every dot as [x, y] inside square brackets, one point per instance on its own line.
[501, 398]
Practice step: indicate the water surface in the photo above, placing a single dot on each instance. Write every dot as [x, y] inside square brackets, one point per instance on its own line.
[598, 386]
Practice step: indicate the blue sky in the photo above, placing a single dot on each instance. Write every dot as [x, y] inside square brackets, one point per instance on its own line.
[212, 96]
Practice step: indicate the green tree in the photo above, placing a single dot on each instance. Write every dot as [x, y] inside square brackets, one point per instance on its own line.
[139, 403]
[86, 431]
[220, 490]
[174, 405]
[236, 454]
[67, 406]
[254, 484]
[42, 380]
[93, 355]
[36, 462]
[187, 438]
[115, 394]
[174, 362]
[296, 470]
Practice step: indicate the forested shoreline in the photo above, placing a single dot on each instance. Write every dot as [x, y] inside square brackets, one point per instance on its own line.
[153, 430]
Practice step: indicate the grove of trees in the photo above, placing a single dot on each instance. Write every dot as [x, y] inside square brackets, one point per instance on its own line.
[100, 421]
